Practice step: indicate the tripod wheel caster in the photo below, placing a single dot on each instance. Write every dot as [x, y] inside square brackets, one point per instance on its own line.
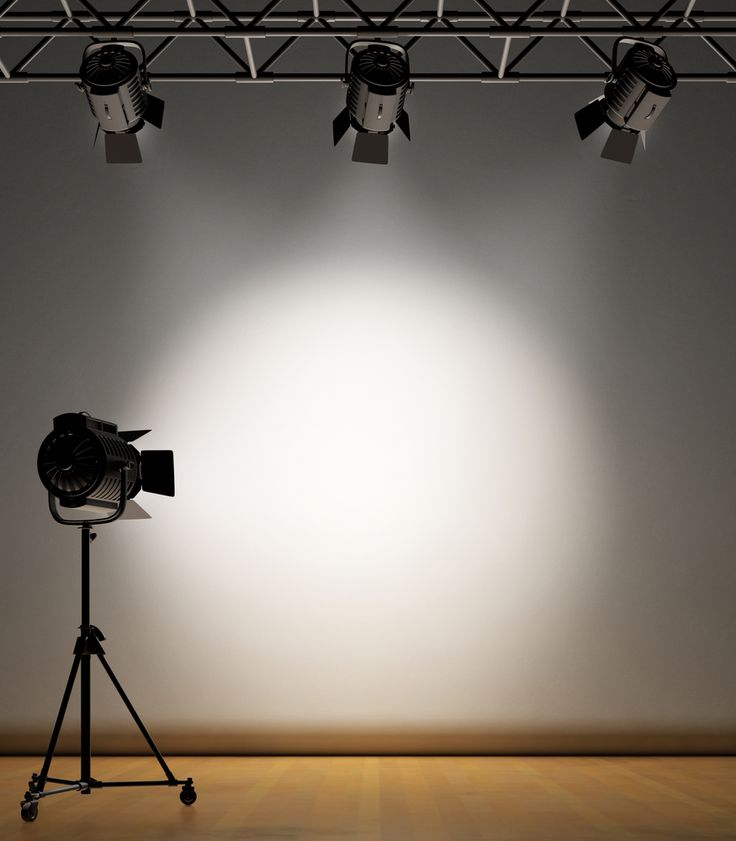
[187, 795]
[29, 812]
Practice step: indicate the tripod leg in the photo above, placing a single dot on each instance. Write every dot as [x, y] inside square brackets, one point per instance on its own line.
[40, 780]
[151, 744]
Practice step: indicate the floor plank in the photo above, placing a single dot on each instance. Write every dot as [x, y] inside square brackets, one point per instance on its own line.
[408, 798]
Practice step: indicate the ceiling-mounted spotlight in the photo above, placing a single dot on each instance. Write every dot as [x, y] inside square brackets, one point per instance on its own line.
[378, 81]
[84, 461]
[634, 96]
[118, 91]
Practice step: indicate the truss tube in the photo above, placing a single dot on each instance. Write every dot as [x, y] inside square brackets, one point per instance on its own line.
[521, 33]
[333, 78]
[539, 17]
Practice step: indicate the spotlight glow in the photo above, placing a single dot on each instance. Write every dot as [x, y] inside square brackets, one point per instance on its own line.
[400, 493]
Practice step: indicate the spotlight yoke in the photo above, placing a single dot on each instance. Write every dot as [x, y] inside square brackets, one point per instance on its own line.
[635, 94]
[86, 462]
[117, 87]
[377, 78]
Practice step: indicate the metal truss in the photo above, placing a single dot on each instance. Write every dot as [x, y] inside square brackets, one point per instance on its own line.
[499, 40]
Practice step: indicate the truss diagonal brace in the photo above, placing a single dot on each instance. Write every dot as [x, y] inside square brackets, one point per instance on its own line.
[591, 45]
[714, 45]
[227, 13]
[411, 43]
[494, 16]
[335, 34]
[100, 18]
[261, 16]
[525, 52]
[275, 56]
[165, 44]
[359, 13]
[127, 18]
[473, 50]
[661, 13]
[629, 18]
[396, 13]
[35, 51]
[226, 48]
[529, 12]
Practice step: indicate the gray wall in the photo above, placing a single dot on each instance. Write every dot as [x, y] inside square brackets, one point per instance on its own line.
[454, 438]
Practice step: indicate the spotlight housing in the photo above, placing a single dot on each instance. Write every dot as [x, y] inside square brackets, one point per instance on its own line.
[118, 92]
[86, 462]
[635, 94]
[378, 81]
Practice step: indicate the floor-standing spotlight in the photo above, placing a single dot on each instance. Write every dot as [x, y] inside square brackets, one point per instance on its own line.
[80, 463]
[118, 92]
[636, 92]
[378, 81]
[87, 465]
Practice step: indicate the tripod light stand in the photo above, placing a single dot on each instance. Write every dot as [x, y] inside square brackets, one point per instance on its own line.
[86, 464]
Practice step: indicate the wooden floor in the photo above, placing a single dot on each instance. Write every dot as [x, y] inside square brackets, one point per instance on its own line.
[389, 799]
